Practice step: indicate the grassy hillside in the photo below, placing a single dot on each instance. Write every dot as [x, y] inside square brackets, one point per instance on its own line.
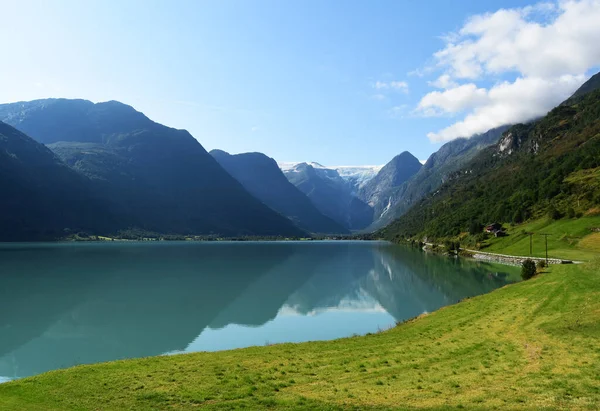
[548, 167]
[530, 345]
[569, 238]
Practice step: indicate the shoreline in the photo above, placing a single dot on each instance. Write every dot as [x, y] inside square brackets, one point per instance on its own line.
[506, 259]
[514, 260]
[490, 338]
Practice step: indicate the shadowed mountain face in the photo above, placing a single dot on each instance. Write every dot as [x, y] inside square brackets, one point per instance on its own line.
[438, 168]
[41, 196]
[331, 194]
[261, 176]
[68, 304]
[160, 178]
[379, 190]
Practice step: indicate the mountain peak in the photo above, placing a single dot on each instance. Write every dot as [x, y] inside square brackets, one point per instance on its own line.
[378, 191]
[405, 156]
[262, 177]
[219, 153]
[591, 85]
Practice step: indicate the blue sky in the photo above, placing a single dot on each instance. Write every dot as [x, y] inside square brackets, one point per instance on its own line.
[338, 82]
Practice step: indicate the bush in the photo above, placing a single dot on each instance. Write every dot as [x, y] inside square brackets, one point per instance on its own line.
[541, 264]
[570, 213]
[518, 217]
[475, 228]
[528, 269]
[452, 246]
[553, 213]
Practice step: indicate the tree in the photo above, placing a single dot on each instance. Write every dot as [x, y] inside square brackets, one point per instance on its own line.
[553, 213]
[518, 216]
[528, 269]
[475, 227]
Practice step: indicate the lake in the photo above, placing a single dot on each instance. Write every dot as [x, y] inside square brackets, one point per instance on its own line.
[64, 304]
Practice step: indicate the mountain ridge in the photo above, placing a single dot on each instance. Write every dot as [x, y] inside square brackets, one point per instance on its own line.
[42, 198]
[546, 167]
[377, 191]
[263, 178]
[162, 176]
[331, 194]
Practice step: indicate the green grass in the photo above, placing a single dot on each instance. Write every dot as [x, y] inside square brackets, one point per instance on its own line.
[530, 345]
[570, 239]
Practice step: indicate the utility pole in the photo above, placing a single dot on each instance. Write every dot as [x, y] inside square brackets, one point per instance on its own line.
[546, 238]
[530, 244]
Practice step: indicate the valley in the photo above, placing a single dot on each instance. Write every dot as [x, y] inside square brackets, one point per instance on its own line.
[300, 205]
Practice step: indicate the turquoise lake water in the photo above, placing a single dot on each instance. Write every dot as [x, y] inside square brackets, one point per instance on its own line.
[76, 303]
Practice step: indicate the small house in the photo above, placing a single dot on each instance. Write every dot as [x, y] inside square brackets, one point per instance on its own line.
[493, 227]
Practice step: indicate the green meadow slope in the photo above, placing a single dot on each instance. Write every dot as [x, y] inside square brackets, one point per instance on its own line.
[546, 167]
[574, 239]
[530, 345]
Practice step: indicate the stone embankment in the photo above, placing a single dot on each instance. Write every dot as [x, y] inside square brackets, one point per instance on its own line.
[510, 259]
[498, 258]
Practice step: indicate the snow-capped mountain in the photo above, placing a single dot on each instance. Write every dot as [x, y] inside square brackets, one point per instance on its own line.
[355, 176]
[332, 194]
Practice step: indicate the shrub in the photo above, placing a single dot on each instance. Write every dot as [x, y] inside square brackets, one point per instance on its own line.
[541, 264]
[452, 246]
[475, 228]
[518, 217]
[553, 213]
[528, 269]
[570, 212]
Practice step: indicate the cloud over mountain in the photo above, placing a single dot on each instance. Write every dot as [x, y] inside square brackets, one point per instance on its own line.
[540, 53]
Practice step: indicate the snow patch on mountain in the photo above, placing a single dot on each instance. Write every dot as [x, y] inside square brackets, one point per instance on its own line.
[355, 176]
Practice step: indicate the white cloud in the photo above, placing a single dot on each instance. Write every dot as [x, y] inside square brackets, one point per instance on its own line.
[507, 103]
[548, 46]
[444, 81]
[453, 100]
[401, 86]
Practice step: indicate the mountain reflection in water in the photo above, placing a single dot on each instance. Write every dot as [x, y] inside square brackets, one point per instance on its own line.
[68, 304]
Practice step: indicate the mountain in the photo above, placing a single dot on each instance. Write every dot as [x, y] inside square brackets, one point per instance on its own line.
[378, 191]
[42, 198]
[547, 167]
[451, 157]
[263, 178]
[158, 175]
[330, 193]
[592, 84]
[357, 176]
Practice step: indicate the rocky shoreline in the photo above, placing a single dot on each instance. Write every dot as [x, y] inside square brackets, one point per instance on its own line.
[510, 259]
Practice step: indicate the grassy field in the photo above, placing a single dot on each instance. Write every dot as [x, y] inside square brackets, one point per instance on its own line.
[569, 239]
[526, 346]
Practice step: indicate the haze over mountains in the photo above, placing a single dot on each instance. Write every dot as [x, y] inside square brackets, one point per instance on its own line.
[128, 172]
[331, 194]
[156, 178]
[41, 196]
[72, 165]
[261, 176]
